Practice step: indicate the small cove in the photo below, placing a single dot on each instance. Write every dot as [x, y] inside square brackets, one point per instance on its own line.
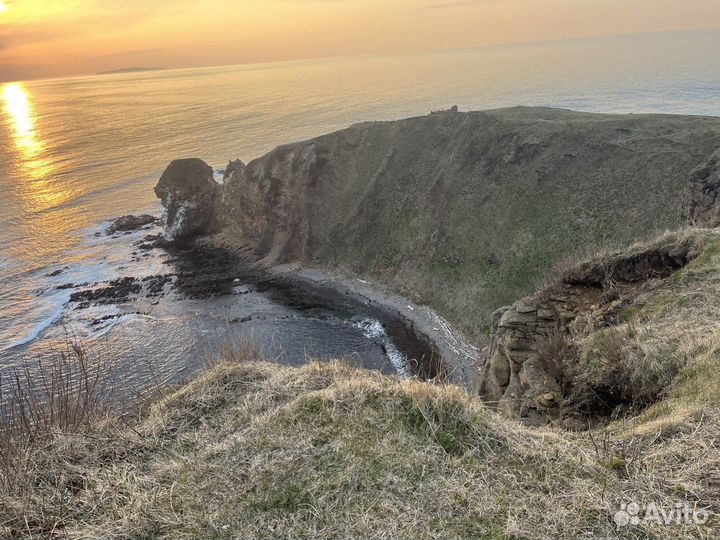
[157, 314]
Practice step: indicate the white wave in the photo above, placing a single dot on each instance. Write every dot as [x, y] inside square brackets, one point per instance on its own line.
[35, 330]
[41, 297]
[373, 329]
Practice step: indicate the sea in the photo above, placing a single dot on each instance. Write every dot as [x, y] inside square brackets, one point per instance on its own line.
[78, 152]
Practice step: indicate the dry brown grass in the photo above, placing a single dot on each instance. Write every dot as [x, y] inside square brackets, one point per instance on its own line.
[326, 451]
[253, 449]
[46, 406]
[68, 393]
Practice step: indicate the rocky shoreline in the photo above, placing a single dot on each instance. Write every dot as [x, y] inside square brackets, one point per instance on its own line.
[202, 268]
[191, 196]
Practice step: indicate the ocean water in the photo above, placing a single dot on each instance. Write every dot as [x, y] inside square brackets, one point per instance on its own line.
[77, 152]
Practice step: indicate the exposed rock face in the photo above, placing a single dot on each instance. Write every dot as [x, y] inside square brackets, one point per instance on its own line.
[130, 223]
[512, 377]
[189, 194]
[701, 206]
[268, 202]
[652, 263]
[518, 374]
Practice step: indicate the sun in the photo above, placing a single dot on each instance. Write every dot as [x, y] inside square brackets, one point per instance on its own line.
[3, 7]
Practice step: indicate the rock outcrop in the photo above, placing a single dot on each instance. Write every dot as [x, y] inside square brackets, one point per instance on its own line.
[460, 211]
[512, 378]
[701, 207]
[130, 223]
[521, 368]
[235, 166]
[189, 194]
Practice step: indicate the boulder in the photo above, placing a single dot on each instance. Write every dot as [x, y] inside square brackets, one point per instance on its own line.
[188, 192]
[233, 167]
[701, 207]
[130, 223]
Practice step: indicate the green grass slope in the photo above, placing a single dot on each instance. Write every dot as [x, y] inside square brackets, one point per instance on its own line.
[464, 211]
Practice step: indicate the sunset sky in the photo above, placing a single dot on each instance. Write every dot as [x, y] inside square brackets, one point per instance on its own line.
[48, 38]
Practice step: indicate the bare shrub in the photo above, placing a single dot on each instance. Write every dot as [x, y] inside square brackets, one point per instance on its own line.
[235, 349]
[596, 379]
[67, 394]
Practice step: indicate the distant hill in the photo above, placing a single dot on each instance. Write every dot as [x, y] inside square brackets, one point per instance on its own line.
[130, 70]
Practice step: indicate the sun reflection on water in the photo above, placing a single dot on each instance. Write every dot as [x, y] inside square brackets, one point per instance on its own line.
[17, 106]
[39, 190]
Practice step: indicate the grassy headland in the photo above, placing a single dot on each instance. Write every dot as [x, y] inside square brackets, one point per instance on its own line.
[253, 449]
[464, 212]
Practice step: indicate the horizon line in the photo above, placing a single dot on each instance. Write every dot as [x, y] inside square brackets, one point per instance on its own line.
[108, 73]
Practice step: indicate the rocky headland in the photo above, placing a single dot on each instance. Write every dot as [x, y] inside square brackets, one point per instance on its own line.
[466, 213]
[460, 211]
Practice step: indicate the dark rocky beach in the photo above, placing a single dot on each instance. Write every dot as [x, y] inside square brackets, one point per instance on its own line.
[198, 270]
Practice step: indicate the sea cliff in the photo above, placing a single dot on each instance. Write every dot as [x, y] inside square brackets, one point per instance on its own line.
[464, 212]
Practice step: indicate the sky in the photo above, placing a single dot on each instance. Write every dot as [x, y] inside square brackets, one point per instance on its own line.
[54, 38]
